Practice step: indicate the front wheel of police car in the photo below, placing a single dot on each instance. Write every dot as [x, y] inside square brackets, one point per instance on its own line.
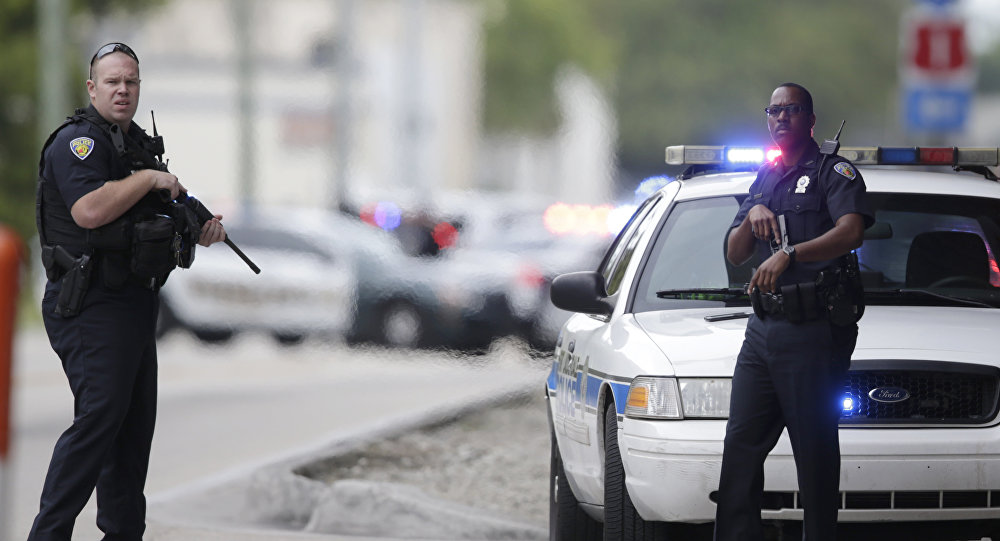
[567, 520]
[621, 521]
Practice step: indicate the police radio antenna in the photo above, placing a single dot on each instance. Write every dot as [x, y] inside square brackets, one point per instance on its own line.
[835, 138]
[831, 146]
[158, 143]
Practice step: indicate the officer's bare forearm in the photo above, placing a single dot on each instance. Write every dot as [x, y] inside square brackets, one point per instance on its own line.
[846, 235]
[114, 198]
[739, 248]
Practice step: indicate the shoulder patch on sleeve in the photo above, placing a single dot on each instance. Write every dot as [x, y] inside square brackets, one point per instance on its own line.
[846, 169]
[81, 147]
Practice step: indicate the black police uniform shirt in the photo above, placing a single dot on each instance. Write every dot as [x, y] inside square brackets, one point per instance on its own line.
[812, 201]
[79, 160]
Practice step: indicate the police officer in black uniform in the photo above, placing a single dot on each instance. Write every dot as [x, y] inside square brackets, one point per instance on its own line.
[791, 369]
[110, 236]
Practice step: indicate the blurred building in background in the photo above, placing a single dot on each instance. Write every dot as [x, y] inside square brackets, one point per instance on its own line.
[349, 101]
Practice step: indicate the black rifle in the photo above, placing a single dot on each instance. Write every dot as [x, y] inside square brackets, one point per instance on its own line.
[156, 150]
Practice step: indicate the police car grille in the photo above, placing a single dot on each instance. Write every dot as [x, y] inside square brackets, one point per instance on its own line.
[910, 499]
[935, 396]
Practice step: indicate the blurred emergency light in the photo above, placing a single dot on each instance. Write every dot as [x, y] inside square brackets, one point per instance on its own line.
[564, 219]
[445, 235]
[618, 217]
[745, 155]
[384, 214]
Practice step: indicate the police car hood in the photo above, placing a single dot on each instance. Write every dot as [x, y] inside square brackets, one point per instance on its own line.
[696, 347]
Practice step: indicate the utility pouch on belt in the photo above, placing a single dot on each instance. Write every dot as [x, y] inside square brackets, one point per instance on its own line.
[800, 302]
[116, 235]
[154, 246]
[75, 282]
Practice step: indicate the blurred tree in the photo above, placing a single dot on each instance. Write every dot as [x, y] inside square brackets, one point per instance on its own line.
[527, 42]
[988, 66]
[695, 72]
[702, 72]
[19, 140]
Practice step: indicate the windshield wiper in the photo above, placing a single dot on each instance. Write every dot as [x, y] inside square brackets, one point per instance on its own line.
[707, 291]
[927, 293]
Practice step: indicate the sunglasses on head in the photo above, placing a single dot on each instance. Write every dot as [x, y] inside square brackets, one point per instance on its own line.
[775, 110]
[113, 47]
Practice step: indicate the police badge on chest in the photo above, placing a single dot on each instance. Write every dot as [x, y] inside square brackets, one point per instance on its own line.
[802, 184]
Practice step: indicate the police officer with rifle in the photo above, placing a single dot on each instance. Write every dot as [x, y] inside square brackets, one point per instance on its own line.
[804, 215]
[113, 224]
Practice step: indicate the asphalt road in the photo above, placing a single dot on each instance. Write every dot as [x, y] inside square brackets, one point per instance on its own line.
[225, 412]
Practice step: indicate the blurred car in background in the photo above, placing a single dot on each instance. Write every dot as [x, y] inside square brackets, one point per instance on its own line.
[434, 302]
[523, 244]
[305, 286]
[333, 274]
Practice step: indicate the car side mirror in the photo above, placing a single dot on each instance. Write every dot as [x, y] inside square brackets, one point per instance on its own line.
[581, 292]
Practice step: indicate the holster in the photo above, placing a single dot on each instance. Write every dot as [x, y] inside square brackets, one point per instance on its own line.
[75, 279]
[842, 292]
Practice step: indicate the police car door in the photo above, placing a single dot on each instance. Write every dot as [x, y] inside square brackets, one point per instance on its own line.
[585, 366]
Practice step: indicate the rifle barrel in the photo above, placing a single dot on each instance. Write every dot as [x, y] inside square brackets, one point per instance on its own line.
[243, 256]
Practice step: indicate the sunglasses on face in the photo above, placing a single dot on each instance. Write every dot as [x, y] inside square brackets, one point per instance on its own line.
[775, 110]
[113, 47]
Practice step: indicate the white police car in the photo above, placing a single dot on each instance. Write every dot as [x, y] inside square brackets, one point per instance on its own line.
[639, 390]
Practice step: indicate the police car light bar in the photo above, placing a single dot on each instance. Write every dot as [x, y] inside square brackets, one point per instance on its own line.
[719, 155]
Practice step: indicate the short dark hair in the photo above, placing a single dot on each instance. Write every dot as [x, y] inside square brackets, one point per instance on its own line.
[807, 96]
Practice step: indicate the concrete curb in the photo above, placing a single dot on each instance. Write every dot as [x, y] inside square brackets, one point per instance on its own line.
[269, 501]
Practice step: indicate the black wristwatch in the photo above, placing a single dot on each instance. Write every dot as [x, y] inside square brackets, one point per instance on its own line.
[790, 252]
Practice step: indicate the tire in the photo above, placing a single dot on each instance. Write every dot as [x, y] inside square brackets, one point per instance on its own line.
[567, 521]
[289, 338]
[402, 326]
[621, 521]
[213, 336]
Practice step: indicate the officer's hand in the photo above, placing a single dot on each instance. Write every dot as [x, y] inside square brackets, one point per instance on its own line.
[766, 277]
[212, 232]
[166, 181]
[763, 223]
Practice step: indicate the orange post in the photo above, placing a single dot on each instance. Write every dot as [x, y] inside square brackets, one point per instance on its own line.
[10, 267]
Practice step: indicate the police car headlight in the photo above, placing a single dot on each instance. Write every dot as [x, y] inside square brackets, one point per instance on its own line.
[705, 397]
[672, 398]
[653, 398]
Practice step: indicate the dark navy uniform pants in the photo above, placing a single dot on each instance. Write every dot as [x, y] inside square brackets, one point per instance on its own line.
[108, 352]
[787, 375]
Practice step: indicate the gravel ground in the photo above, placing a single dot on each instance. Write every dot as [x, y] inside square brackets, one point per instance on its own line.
[495, 459]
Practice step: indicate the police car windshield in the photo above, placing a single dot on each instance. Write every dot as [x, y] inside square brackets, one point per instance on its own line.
[944, 246]
[687, 266]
